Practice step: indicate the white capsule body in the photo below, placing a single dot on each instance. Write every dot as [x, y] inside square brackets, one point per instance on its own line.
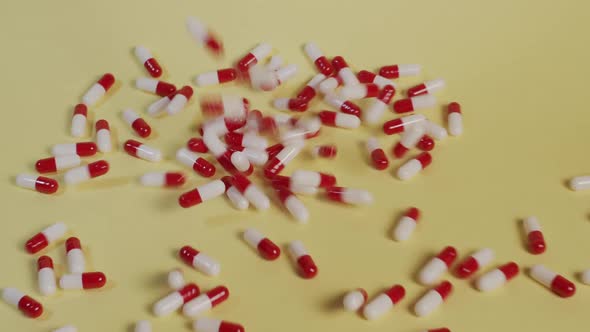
[177, 104]
[68, 328]
[93, 95]
[211, 190]
[374, 112]
[491, 281]
[356, 196]
[435, 85]
[531, 224]
[543, 275]
[261, 51]
[275, 62]
[47, 281]
[207, 325]
[354, 300]
[196, 306]
[306, 178]
[27, 181]
[176, 279]
[77, 175]
[289, 152]
[412, 136]
[206, 264]
[168, 304]
[103, 140]
[285, 73]
[404, 229]
[76, 261]
[149, 153]
[143, 326]
[348, 77]
[146, 84]
[312, 51]
[434, 130]
[347, 121]
[206, 79]
[142, 54]
[428, 303]
[78, 128]
[580, 183]
[256, 197]
[585, 277]
[256, 156]
[432, 271]
[328, 86]
[55, 232]
[483, 257]
[351, 92]
[66, 149]
[377, 307]
[240, 161]
[422, 102]
[197, 29]
[297, 250]
[408, 70]
[156, 108]
[237, 199]
[253, 237]
[71, 282]
[12, 296]
[297, 209]
[455, 120]
[186, 157]
[130, 116]
[282, 104]
[409, 169]
[65, 162]
[153, 179]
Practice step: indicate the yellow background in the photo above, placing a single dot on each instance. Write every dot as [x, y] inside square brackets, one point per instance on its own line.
[519, 68]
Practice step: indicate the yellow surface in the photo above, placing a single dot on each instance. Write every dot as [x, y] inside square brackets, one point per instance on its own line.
[518, 67]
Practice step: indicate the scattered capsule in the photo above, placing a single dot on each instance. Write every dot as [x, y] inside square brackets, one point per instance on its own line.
[277, 163]
[340, 120]
[349, 195]
[428, 87]
[396, 71]
[46, 276]
[434, 130]
[344, 72]
[329, 85]
[399, 125]
[256, 55]
[295, 207]
[475, 262]
[414, 166]
[257, 157]
[160, 88]
[181, 98]
[434, 269]
[355, 299]
[234, 195]
[156, 108]
[359, 91]
[78, 128]
[198, 164]
[309, 91]
[175, 300]
[585, 277]
[406, 224]
[202, 193]
[384, 302]
[54, 164]
[344, 106]
[138, 124]
[87, 280]
[103, 136]
[313, 179]
[216, 77]
[409, 139]
[497, 277]
[44, 238]
[196, 144]
[266, 248]
[215, 325]
[378, 157]
[40, 184]
[98, 90]
[307, 266]
[580, 183]
[146, 58]
[203, 36]
[248, 140]
[433, 299]
[75, 256]
[82, 149]
[251, 192]
[71, 328]
[143, 326]
[175, 279]
[163, 179]
[26, 304]
[199, 261]
[85, 173]
[426, 143]
[535, 239]
[234, 110]
[367, 77]
[279, 181]
[324, 151]
[292, 104]
[455, 119]
[275, 62]
[557, 283]
[376, 109]
[317, 57]
[205, 301]
[414, 103]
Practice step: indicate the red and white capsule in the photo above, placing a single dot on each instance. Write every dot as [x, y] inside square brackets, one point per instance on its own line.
[409, 140]
[54, 164]
[384, 302]
[82, 149]
[202, 35]
[275, 62]
[359, 91]
[378, 158]
[307, 266]
[265, 247]
[414, 166]
[157, 108]
[202, 193]
[233, 108]
[339, 120]
[535, 239]
[252, 193]
[400, 125]
[85, 173]
[497, 277]
[176, 279]
[163, 179]
[220, 76]
[437, 266]
[139, 125]
[256, 55]
[234, 195]
[355, 299]
[25, 304]
[98, 90]
[247, 140]
[157, 87]
[310, 90]
[295, 206]
[414, 104]
[557, 283]
[205, 301]
[75, 256]
[196, 144]
[79, 118]
[313, 179]
[396, 71]
[319, 60]
[436, 131]
[279, 181]
[406, 225]
[277, 163]
[328, 151]
[198, 164]
[474, 262]
[291, 104]
[377, 108]
[344, 72]
[429, 87]
[46, 276]
[175, 300]
[455, 119]
[199, 261]
[367, 77]
[87, 280]
[38, 183]
[142, 151]
[349, 195]
[426, 143]
[46, 237]
[433, 299]
[329, 85]
[215, 325]
[150, 64]
[103, 136]
[343, 105]
[180, 100]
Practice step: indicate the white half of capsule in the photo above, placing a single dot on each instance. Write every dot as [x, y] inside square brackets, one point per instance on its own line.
[297, 249]
[240, 161]
[207, 325]
[347, 121]
[428, 303]
[71, 281]
[255, 196]
[355, 91]
[186, 157]
[146, 84]
[275, 62]
[156, 108]
[432, 271]
[149, 153]
[381, 82]
[12, 296]
[306, 178]
[435, 85]
[348, 77]
[176, 279]
[304, 190]
[334, 101]
[168, 304]
[177, 104]
[253, 237]
[93, 95]
[261, 51]
[423, 101]
[55, 231]
[65, 162]
[585, 277]
[285, 73]
[580, 183]
[531, 224]
[289, 152]
[103, 140]
[374, 112]
[353, 300]
[404, 229]
[282, 104]
[197, 29]
[311, 125]
[316, 80]
[437, 132]
[143, 326]
[297, 209]
[130, 116]
[255, 156]
[377, 307]
[328, 86]
[77, 175]
[28, 181]
[483, 257]
[153, 179]
[409, 169]
[206, 79]
[412, 136]
[196, 306]
[490, 281]
[455, 121]
[67, 328]
[47, 281]
[237, 199]
[372, 144]
[206, 264]
[409, 70]
[312, 51]
[543, 275]
[142, 54]
[66, 149]
[211, 190]
[78, 128]
[357, 196]
[76, 262]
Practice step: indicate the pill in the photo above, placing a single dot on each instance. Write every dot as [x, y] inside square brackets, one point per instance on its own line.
[349, 195]
[557, 283]
[535, 240]
[277, 163]
[158, 87]
[374, 112]
[319, 60]
[292, 104]
[234, 161]
[434, 130]
[181, 98]
[406, 224]
[103, 136]
[275, 62]
[216, 77]
[85, 173]
[44, 238]
[437, 266]
[234, 195]
[384, 302]
[395, 71]
[307, 266]
[378, 158]
[256, 55]
[408, 140]
[580, 183]
[585, 277]
[455, 119]
[355, 299]
[199, 261]
[310, 125]
[143, 326]
[26, 304]
[497, 277]
[474, 262]
[146, 58]
[313, 179]
[257, 157]
[198, 164]
[285, 73]
[366, 77]
[426, 143]
[54, 164]
[295, 206]
[359, 91]
[78, 128]
[98, 89]
[175, 300]
[433, 299]
[248, 140]
[202, 193]
[46, 276]
[309, 91]
[430, 87]
[138, 124]
[156, 108]
[329, 85]
[201, 34]
[265, 247]
[414, 166]
[82, 149]
[344, 72]
[414, 103]
[196, 144]
[215, 325]
[40, 184]
[205, 301]
[324, 151]
[343, 105]
[75, 256]
[87, 280]
[163, 179]
[70, 328]
[261, 78]
[399, 125]
[175, 279]
[339, 120]
[279, 181]
[252, 193]
[273, 150]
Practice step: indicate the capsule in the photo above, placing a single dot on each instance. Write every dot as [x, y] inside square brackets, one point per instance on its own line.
[434, 269]
[75, 256]
[396, 71]
[409, 139]
[344, 106]
[433, 299]
[580, 183]
[257, 157]
[199, 261]
[497, 277]
[163, 179]
[261, 78]
[378, 158]
[234, 110]
[319, 60]
[275, 62]
[414, 166]
[71, 328]
[426, 143]
[138, 124]
[103, 136]
[196, 144]
[285, 73]
[309, 91]
[306, 265]
[234, 195]
[98, 90]
[85, 173]
[181, 98]
[202, 193]
[414, 104]
[198, 164]
[146, 58]
[175, 300]
[329, 85]
[157, 108]
[430, 87]
[175, 279]
[54, 164]
[313, 179]
[247, 140]
[157, 87]
[44, 238]
[295, 207]
[399, 125]
[256, 55]
[87, 280]
[143, 326]
[253, 119]
[266, 248]
[27, 305]
[340, 120]
[206, 301]
[344, 72]
[46, 276]
[384, 302]
[475, 262]
[359, 91]
[78, 128]
[557, 283]
[406, 225]
[216, 77]
[203, 36]
[40, 184]
[324, 151]
[291, 104]
[82, 149]
[279, 181]
[355, 299]
[277, 163]
[215, 325]
[455, 119]
[379, 104]
[251, 192]
[367, 77]
[535, 240]
[435, 131]
[349, 196]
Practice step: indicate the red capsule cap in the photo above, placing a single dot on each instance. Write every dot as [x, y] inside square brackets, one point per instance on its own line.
[327, 180]
[273, 150]
[73, 243]
[399, 150]
[307, 265]
[536, 242]
[44, 262]
[186, 91]
[283, 192]
[187, 254]
[467, 267]
[81, 109]
[230, 327]
[338, 62]
[36, 243]
[92, 280]
[233, 138]
[203, 167]
[107, 81]
[396, 293]
[563, 287]
[30, 307]
[225, 161]
[273, 167]
[241, 182]
[102, 124]
[189, 292]
[349, 107]
[218, 295]
[443, 329]
[190, 198]
[141, 127]
[444, 289]
[403, 106]
[131, 146]
[425, 159]
[510, 270]
[389, 71]
[246, 62]
[372, 90]
[413, 213]
[327, 151]
[426, 143]
[324, 66]
[297, 105]
[328, 118]
[365, 76]
[386, 94]
[98, 168]
[448, 255]
[307, 93]
[46, 165]
[174, 179]
[197, 145]
[226, 75]
[164, 89]
[394, 126]
[454, 107]
[280, 181]
[153, 67]
[379, 158]
[268, 249]
[417, 90]
[214, 45]
[86, 149]
[46, 185]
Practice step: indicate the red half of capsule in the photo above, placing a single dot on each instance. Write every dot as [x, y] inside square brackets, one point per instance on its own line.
[307, 266]
[454, 107]
[153, 67]
[379, 159]
[189, 292]
[92, 280]
[324, 66]
[98, 168]
[444, 289]
[36, 243]
[426, 143]
[86, 149]
[218, 295]
[44, 262]
[386, 94]
[467, 267]
[563, 287]
[510, 270]
[141, 127]
[536, 242]
[215, 45]
[365, 76]
[425, 159]
[46, 165]
[164, 89]
[349, 107]
[107, 81]
[102, 124]
[389, 71]
[327, 151]
[73, 243]
[307, 93]
[226, 326]
[46, 185]
[81, 109]
[190, 198]
[268, 249]
[204, 167]
[417, 90]
[246, 62]
[30, 307]
[448, 255]
[174, 179]
[187, 254]
[226, 75]
[197, 145]
[396, 293]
